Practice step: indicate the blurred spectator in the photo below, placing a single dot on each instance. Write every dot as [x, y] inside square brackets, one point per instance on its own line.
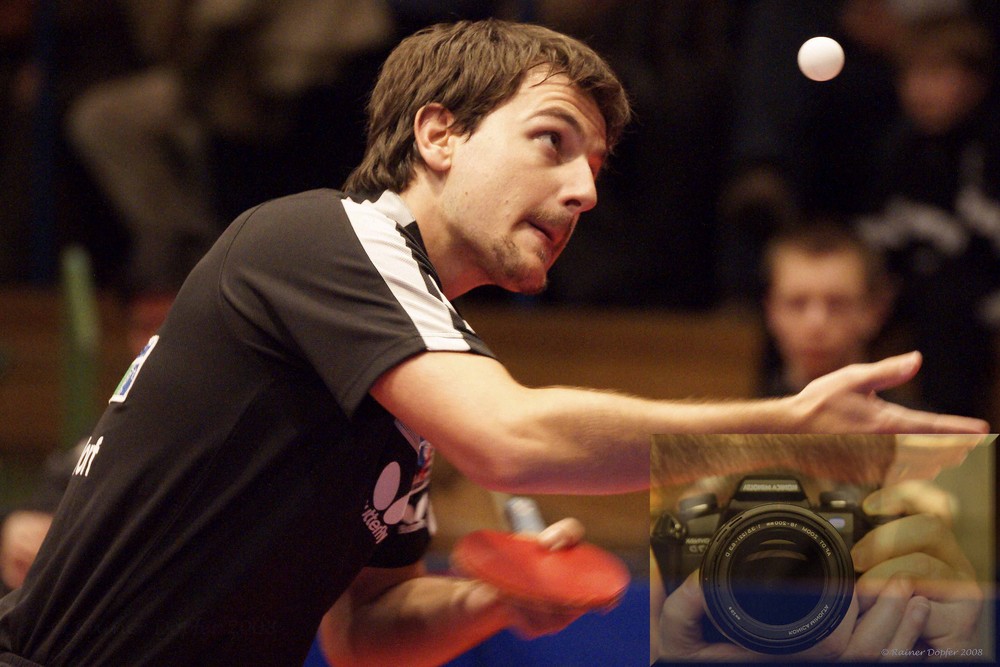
[23, 527]
[799, 148]
[827, 296]
[48, 53]
[18, 84]
[228, 86]
[940, 223]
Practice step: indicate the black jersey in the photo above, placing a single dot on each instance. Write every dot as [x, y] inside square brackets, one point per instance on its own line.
[242, 475]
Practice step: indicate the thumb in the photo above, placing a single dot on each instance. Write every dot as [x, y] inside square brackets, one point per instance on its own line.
[562, 534]
[911, 497]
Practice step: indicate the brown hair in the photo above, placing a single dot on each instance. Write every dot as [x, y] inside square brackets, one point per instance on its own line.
[823, 237]
[470, 68]
[862, 459]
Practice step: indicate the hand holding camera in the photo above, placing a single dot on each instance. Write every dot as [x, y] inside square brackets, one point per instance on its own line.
[921, 549]
[772, 573]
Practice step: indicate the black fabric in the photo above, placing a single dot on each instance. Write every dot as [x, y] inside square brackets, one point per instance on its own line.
[242, 475]
[11, 660]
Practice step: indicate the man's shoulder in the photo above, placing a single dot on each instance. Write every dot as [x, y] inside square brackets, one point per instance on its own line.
[319, 197]
[332, 201]
[291, 216]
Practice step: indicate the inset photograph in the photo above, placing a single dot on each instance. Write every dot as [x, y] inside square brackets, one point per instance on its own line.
[822, 548]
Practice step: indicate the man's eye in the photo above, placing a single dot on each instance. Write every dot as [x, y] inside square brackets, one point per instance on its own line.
[552, 138]
[796, 304]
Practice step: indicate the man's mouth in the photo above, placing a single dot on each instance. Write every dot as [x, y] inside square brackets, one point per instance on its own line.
[550, 230]
[543, 231]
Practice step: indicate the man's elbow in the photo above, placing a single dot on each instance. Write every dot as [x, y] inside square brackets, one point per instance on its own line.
[504, 467]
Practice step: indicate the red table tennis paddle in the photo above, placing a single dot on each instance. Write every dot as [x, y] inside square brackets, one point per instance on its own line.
[582, 576]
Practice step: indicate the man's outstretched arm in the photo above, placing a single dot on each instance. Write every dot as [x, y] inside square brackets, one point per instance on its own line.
[509, 437]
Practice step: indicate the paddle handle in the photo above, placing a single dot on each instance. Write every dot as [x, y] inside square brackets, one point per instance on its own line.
[523, 515]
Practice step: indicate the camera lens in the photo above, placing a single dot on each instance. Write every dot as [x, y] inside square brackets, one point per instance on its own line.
[777, 579]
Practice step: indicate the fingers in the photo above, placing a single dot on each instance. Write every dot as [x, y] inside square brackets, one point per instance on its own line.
[904, 420]
[681, 626]
[680, 621]
[884, 417]
[911, 627]
[846, 396]
[923, 534]
[931, 578]
[922, 551]
[892, 625]
[561, 534]
[912, 497]
[531, 621]
[955, 601]
[923, 457]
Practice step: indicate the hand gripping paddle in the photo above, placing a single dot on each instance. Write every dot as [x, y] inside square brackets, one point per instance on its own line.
[582, 576]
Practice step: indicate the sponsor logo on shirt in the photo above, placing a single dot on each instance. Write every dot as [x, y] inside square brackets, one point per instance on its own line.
[385, 509]
[90, 451]
[410, 511]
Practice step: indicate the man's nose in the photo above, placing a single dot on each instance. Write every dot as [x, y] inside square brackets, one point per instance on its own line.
[580, 192]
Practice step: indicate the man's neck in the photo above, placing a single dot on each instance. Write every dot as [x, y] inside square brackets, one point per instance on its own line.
[449, 261]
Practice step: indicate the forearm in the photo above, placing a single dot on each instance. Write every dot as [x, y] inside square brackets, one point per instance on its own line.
[423, 621]
[580, 441]
[512, 438]
[508, 437]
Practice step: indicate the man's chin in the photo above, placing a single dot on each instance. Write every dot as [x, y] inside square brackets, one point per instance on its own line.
[529, 282]
[526, 285]
[531, 288]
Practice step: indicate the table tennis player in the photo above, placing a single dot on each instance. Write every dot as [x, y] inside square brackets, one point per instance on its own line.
[264, 463]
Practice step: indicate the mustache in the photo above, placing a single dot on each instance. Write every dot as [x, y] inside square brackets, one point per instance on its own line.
[553, 219]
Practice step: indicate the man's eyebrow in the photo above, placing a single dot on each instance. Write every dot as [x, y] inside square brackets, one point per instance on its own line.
[563, 115]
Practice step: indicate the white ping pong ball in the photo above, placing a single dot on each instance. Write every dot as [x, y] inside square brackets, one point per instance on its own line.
[821, 58]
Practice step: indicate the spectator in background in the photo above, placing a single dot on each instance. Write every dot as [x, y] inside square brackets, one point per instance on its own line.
[237, 75]
[798, 147]
[940, 220]
[23, 526]
[49, 52]
[784, 126]
[18, 84]
[826, 297]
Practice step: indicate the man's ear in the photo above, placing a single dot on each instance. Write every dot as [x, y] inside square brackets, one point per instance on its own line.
[433, 129]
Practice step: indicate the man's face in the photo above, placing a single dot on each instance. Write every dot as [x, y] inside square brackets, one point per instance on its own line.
[820, 311]
[518, 184]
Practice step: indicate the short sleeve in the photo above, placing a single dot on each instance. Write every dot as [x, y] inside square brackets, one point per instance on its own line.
[342, 286]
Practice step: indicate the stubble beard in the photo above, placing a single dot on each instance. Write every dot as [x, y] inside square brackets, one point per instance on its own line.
[510, 272]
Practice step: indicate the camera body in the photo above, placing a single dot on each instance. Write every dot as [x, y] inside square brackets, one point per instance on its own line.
[776, 570]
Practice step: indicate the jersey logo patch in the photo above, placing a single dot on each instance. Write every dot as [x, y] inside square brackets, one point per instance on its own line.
[125, 386]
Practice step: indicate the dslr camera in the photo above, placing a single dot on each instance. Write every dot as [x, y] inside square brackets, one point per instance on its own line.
[775, 570]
